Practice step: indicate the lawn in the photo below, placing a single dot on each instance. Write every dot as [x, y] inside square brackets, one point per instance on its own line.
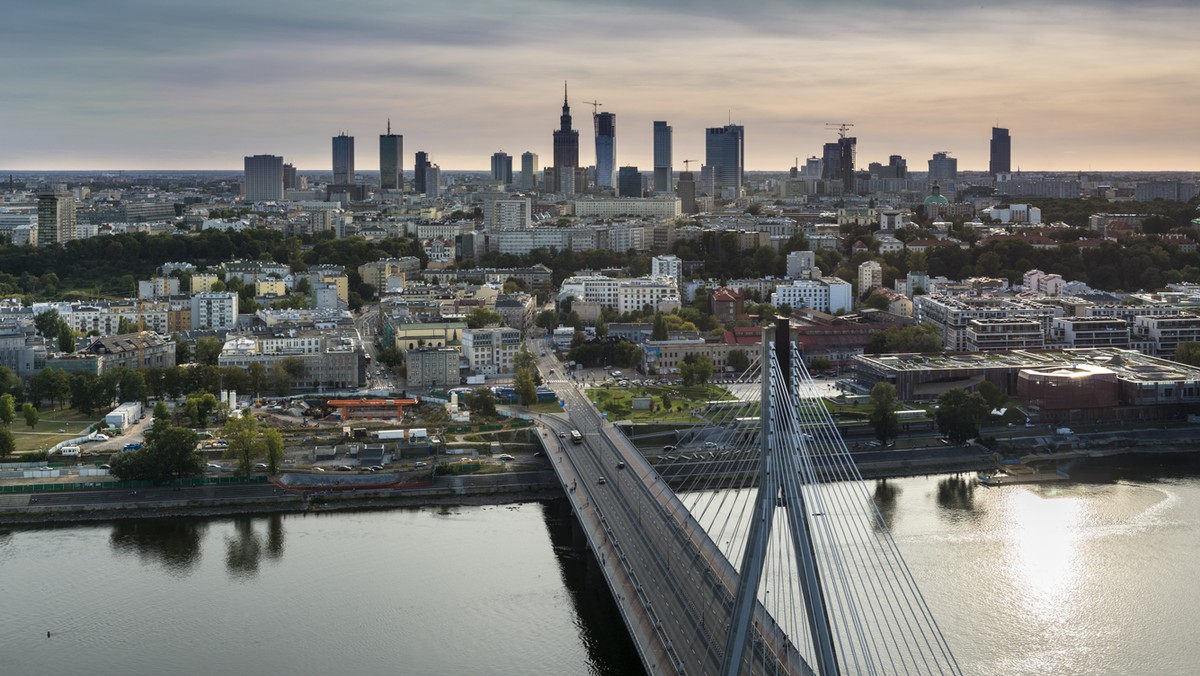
[46, 433]
[617, 402]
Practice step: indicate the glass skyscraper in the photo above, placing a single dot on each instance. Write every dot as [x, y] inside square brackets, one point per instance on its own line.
[606, 149]
[1000, 161]
[343, 159]
[391, 160]
[725, 156]
[662, 157]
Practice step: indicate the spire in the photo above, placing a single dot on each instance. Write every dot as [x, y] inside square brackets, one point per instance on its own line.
[564, 93]
[389, 126]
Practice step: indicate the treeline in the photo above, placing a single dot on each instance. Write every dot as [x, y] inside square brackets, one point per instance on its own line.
[111, 265]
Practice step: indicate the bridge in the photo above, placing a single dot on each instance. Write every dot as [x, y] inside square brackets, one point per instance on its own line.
[820, 587]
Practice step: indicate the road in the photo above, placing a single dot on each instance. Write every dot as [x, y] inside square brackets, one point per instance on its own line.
[682, 581]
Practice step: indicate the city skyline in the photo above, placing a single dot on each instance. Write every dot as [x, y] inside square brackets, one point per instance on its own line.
[1080, 85]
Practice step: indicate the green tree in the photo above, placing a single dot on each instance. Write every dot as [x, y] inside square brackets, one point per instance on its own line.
[66, 338]
[659, 331]
[821, 364]
[31, 415]
[526, 387]
[183, 349]
[480, 317]
[883, 411]
[208, 349]
[8, 409]
[546, 319]
[481, 401]
[1188, 353]
[601, 327]
[876, 301]
[53, 385]
[161, 411]
[695, 370]
[241, 432]
[272, 442]
[10, 382]
[170, 453]
[738, 360]
[959, 414]
[47, 323]
[8, 444]
[992, 394]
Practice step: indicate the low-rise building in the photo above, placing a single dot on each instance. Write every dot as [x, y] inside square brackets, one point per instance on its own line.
[490, 351]
[133, 350]
[432, 367]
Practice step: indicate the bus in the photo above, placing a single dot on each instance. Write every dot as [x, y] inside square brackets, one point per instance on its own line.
[576, 437]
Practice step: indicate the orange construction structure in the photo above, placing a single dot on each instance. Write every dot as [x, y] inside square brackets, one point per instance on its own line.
[367, 407]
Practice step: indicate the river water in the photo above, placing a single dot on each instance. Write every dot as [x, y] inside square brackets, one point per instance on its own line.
[1098, 576]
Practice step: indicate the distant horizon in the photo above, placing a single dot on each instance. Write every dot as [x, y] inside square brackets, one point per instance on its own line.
[1087, 85]
[408, 171]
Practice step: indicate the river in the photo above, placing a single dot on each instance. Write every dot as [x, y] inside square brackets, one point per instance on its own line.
[1096, 576]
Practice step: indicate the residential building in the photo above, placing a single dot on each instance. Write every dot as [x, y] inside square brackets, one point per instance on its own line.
[529, 171]
[22, 349]
[1004, 334]
[800, 263]
[650, 207]
[490, 351]
[518, 310]
[263, 179]
[870, 276]
[158, 287]
[217, 310]
[1087, 332]
[1166, 333]
[664, 357]
[827, 294]
[667, 266]
[727, 305]
[953, 314]
[56, 218]
[427, 367]
[202, 282]
[333, 359]
[146, 349]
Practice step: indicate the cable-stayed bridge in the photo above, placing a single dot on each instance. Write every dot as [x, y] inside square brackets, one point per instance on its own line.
[797, 575]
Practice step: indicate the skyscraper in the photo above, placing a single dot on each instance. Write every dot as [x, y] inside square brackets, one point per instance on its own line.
[725, 153]
[289, 177]
[391, 160]
[433, 181]
[662, 157]
[566, 140]
[263, 178]
[686, 189]
[606, 148]
[943, 167]
[837, 162]
[56, 218]
[629, 183]
[343, 159]
[529, 170]
[502, 168]
[420, 164]
[1000, 161]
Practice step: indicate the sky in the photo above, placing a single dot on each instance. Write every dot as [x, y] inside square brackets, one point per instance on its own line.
[1100, 85]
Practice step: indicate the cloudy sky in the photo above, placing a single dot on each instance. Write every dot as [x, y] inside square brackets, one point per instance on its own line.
[137, 84]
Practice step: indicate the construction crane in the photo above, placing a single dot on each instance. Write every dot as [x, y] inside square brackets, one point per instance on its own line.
[685, 164]
[595, 106]
[841, 127]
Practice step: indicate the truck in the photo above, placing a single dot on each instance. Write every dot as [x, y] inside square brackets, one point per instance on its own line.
[392, 435]
[1065, 431]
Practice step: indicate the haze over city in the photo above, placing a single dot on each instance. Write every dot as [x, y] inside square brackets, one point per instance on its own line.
[136, 85]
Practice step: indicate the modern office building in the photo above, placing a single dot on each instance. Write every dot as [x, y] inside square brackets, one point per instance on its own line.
[420, 164]
[433, 181]
[56, 218]
[837, 162]
[290, 182]
[343, 159]
[686, 191]
[662, 157]
[1000, 161]
[529, 171]
[629, 182]
[391, 160]
[942, 167]
[566, 139]
[725, 155]
[264, 178]
[606, 148]
[502, 168]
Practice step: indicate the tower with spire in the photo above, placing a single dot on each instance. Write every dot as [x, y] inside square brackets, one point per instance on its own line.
[391, 159]
[566, 139]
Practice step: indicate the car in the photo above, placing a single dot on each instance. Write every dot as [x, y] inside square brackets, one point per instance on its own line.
[420, 464]
[602, 481]
[562, 435]
[668, 448]
[616, 374]
[709, 444]
[543, 354]
[505, 457]
[318, 469]
[376, 468]
[105, 466]
[98, 437]
[344, 468]
[621, 465]
[215, 466]
[260, 465]
[61, 430]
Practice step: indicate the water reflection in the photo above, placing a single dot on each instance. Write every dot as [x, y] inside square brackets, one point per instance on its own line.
[173, 543]
[955, 492]
[885, 503]
[245, 549]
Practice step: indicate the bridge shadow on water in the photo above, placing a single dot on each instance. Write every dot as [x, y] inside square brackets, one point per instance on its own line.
[611, 651]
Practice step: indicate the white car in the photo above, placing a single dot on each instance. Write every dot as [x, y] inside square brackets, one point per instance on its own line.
[98, 437]
[505, 457]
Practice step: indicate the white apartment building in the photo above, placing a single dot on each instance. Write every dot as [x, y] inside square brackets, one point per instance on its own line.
[952, 315]
[652, 207]
[622, 295]
[215, 310]
[1039, 282]
[827, 294]
[800, 263]
[667, 266]
[1004, 334]
[870, 275]
[491, 351]
[1081, 332]
[1166, 333]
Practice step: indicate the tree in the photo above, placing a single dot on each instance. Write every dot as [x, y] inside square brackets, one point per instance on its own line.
[53, 385]
[959, 414]
[208, 349]
[10, 382]
[480, 317]
[161, 412]
[183, 349]
[242, 434]
[8, 409]
[481, 401]
[8, 444]
[738, 360]
[526, 387]
[883, 411]
[546, 319]
[31, 415]
[659, 331]
[272, 442]
[601, 327]
[876, 301]
[258, 377]
[170, 453]
[992, 394]
[821, 364]
[1188, 353]
[66, 338]
[295, 368]
[47, 323]
[695, 370]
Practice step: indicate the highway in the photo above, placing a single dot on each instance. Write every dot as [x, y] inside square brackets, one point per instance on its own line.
[682, 584]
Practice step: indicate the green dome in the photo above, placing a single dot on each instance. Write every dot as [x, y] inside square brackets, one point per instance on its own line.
[936, 199]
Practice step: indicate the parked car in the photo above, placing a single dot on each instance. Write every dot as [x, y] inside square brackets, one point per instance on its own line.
[602, 481]
[420, 464]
